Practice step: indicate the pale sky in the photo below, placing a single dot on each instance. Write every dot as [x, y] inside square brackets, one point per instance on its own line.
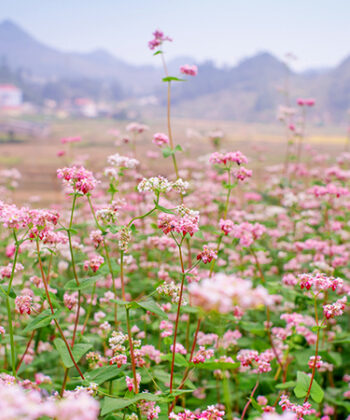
[316, 31]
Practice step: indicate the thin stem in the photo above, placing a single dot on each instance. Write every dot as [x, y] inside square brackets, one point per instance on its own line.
[53, 312]
[8, 306]
[316, 351]
[250, 399]
[132, 355]
[177, 319]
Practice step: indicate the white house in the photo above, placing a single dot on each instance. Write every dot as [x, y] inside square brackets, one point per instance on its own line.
[10, 97]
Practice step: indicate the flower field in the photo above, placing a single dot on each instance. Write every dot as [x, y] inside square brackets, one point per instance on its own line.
[214, 292]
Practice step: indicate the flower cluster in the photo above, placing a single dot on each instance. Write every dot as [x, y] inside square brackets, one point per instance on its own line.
[77, 179]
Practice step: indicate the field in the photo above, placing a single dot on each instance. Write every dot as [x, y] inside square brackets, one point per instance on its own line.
[176, 270]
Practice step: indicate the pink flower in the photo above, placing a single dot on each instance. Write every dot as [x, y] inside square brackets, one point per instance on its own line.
[207, 255]
[94, 263]
[160, 139]
[130, 382]
[77, 179]
[189, 70]
[158, 40]
[23, 304]
[226, 226]
[75, 139]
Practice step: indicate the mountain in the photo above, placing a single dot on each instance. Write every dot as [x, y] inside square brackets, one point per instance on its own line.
[249, 91]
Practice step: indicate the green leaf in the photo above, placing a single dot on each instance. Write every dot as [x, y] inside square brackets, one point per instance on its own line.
[104, 374]
[172, 79]
[167, 151]
[303, 383]
[215, 365]
[158, 52]
[40, 321]
[113, 404]
[78, 351]
[84, 284]
[256, 405]
[150, 305]
[178, 148]
[286, 385]
[179, 359]
[164, 210]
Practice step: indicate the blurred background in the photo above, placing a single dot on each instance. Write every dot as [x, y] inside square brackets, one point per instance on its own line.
[83, 68]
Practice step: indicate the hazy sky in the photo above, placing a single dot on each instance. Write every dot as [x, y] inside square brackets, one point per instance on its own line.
[316, 31]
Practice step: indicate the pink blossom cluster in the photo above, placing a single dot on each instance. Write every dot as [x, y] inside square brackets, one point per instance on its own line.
[94, 263]
[77, 179]
[329, 189]
[160, 139]
[130, 382]
[252, 359]
[158, 39]
[247, 232]
[207, 255]
[228, 158]
[306, 102]
[23, 304]
[136, 128]
[211, 413]
[202, 355]
[189, 70]
[300, 410]
[223, 293]
[335, 309]
[186, 224]
[319, 282]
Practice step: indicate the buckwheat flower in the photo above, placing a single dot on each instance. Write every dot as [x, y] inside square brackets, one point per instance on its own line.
[247, 233]
[158, 39]
[94, 263]
[119, 360]
[5, 271]
[179, 348]
[189, 70]
[170, 289]
[2, 330]
[157, 184]
[70, 300]
[160, 139]
[228, 158]
[77, 179]
[23, 304]
[180, 186]
[319, 282]
[202, 355]
[78, 406]
[96, 238]
[124, 237]
[207, 255]
[136, 128]
[151, 352]
[261, 400]
[166, 328]
[122, 161]
[242, 173]
[117, 339]
[226, 226]
[318, 364]
[300, 410]
[130, 382]
[107, 216]
[335, 309]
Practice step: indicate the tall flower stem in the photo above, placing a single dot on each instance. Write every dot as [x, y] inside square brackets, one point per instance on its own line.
[76, 322]
[105, 247]
[177, 317]
[53, 312]
[227, 203]
[250, 399]
[171, 143]
[132, 355]
[8, 306]
[316, 350]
